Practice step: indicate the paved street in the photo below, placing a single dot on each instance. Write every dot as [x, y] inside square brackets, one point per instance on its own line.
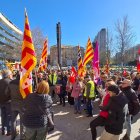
[70, 126]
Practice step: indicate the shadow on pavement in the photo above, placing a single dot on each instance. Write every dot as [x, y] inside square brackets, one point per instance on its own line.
[70, 126]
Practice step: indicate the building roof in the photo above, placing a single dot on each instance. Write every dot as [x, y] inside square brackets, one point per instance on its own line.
[10, 24]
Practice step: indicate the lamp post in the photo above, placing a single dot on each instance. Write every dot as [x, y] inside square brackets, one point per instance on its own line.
[58, 31]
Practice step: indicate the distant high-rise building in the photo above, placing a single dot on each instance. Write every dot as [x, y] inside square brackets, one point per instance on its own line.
[69, 55]
[10, 37]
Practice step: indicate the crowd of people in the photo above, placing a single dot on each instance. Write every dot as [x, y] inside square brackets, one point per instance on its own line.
[119, 97]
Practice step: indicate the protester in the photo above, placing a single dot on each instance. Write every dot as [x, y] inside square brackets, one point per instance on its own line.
[135, 81]
[69, 91]
[36, 112]
[16, 107]
[5, 102]
[89, 95]
[62, 82]
[77, 95]
[117, 109]
[103, 115]
[103, 79]
[39, 77]
[131, 96]
[52, 82]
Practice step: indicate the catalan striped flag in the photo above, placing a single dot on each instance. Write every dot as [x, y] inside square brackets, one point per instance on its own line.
[43, 60]
[89, 53]
[80, 63]
[28, 61]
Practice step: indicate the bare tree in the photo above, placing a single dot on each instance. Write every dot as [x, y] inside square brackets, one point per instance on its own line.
[38, 40]
[124, 37]
[110, 50]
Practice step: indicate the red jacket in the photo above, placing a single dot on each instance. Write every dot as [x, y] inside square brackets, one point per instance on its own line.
[105, 102]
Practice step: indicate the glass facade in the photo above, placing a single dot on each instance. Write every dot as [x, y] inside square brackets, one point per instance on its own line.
[10, 35]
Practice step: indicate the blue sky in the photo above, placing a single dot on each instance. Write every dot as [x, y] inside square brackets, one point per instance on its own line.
[79, 19]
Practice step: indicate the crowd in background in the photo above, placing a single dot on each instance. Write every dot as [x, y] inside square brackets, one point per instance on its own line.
[118, 95]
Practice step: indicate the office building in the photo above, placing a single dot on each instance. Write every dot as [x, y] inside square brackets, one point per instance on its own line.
[10, 39]
[69, 55]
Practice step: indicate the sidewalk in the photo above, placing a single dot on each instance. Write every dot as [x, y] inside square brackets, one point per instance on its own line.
[70, 126]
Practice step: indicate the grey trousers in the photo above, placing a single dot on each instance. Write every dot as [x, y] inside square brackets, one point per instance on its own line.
[35, 133]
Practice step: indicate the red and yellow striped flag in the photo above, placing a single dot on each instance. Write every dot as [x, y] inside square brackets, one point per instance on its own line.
[80, 63]
[43, 60]
[28, 61]
[89, 53]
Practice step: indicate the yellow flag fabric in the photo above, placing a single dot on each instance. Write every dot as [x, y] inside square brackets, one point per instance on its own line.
[43, 60]
[89, 53]
[28, 61]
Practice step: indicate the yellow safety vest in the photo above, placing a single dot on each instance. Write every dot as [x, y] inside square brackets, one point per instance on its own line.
[54, 80]
[92, 90]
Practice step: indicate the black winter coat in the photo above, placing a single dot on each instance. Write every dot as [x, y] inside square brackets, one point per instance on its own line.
[4, 90]
[131, 96]
[16, 98]
[118, 109]
[36, 109]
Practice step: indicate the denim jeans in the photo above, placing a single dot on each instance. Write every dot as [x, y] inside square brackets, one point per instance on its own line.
[128, 125]
[89, 107]
[6, 117]
[77, 104]
[35, 133]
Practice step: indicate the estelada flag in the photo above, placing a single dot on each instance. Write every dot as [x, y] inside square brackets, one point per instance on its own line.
[89, 53]
[80, 63]
[28, 61]
[73, 75]
[43, 60]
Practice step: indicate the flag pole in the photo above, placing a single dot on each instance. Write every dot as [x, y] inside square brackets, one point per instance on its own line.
[36, 79]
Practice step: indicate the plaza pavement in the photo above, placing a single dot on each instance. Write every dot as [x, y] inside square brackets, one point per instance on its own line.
[70, 126]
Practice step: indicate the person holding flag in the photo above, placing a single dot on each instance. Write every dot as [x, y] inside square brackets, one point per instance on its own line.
[36, 108]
